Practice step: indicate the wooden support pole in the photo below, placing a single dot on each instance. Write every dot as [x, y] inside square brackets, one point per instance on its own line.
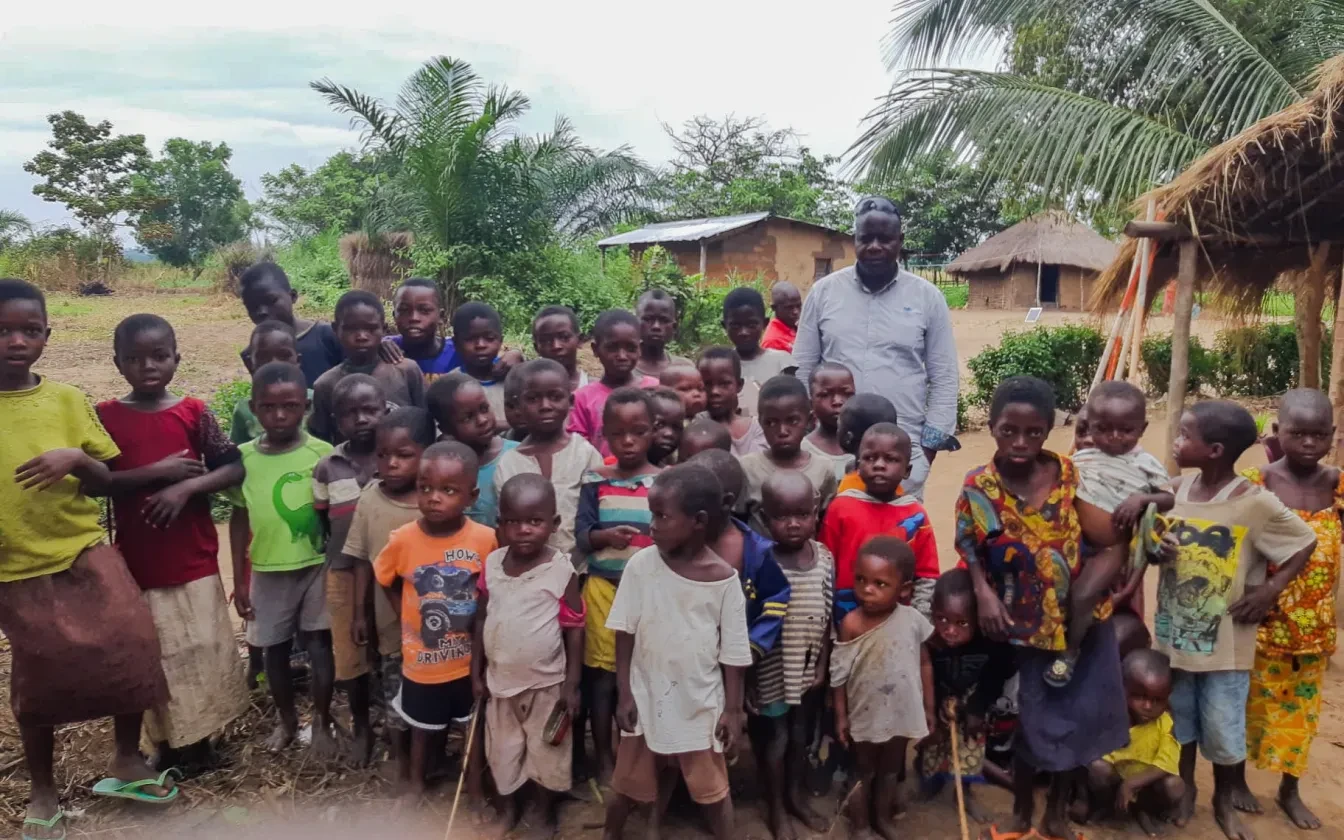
[1146, 247]
[1161, 231]
[1308, 303]
[1180, 345]
[1337, 373]
[704, 259]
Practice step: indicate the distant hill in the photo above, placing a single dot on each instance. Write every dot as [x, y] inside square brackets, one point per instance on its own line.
[137, 255]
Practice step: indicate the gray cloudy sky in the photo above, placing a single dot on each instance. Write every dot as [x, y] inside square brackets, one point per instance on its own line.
[238, 71]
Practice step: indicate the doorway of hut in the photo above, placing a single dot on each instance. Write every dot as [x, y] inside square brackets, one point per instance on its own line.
[1048, 286]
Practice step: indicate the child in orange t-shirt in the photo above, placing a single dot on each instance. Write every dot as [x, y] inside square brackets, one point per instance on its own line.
[431, 569]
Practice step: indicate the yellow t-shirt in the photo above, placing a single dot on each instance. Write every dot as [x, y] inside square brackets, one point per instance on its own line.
[1150, 745]
[43, 531]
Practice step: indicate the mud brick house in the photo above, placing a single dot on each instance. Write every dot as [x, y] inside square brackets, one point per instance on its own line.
[1047, 260]
[772, 246]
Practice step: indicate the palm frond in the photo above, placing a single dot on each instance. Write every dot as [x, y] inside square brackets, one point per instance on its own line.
[928, 33]
[12, 222]
[1062, 142]
[379, 123]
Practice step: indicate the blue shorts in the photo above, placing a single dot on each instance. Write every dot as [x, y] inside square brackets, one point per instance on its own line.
[1210, 708]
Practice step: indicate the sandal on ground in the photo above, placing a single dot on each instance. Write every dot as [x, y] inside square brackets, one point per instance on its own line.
[56, 821]
[117, 789]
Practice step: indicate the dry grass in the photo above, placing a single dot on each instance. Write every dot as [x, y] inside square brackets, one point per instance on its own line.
[376, 264]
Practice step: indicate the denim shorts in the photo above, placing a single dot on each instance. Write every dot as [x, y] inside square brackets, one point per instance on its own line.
[1210, 708]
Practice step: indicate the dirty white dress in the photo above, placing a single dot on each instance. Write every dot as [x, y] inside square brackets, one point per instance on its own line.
[879, 672]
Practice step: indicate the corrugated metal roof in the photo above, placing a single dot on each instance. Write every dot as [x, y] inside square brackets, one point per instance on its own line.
[686, 230]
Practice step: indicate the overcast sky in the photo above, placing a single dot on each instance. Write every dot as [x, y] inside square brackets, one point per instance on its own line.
[238, 71]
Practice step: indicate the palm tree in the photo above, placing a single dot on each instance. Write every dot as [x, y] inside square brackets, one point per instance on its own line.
[465, 181]
[12, 226]
[1158, 83]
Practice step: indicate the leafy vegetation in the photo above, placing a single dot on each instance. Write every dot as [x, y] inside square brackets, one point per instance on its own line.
[299, 204]
[193, 203]
[1155, 351]
[1066, 357]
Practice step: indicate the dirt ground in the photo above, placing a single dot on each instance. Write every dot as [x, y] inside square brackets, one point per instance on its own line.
[290, 796]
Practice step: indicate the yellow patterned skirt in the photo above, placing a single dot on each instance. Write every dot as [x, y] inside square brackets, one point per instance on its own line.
[599, 643]
[1283, 710]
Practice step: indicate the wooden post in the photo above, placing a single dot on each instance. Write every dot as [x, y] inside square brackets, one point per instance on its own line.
[1180, 345]
[704, 259]
[1337, 373]
[1141, 300]
[1308, 301]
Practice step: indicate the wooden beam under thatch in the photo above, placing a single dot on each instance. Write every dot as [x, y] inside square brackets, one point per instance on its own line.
[377, 264]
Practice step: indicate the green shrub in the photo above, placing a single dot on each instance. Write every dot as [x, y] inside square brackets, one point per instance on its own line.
[315, 269]
[963, 408]
[1155, 350]
[221, 405]
[957, 296]
[1261, 360]
[1066, 357]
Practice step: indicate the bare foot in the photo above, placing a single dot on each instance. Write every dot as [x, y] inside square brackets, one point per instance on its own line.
[886, 829]
[1242, 798]
[1080, 811]
[280, 738]
[1147, 824]
[798, 806]
[324, 746]
[1056, 825]
[781, 827]
[1185, 811]
[1225, 814]
[974, 809]
[361, 746]
[1297, 810]
[133, 768]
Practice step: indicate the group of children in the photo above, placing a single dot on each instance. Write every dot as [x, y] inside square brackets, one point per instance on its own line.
[670, 555]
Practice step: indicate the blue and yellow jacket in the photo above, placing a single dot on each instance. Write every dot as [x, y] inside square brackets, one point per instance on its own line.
[766, 588]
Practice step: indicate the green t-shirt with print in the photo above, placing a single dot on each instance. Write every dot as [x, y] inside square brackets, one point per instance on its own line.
[278, 494]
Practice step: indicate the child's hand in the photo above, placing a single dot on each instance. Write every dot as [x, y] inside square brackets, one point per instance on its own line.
[507, 360]
[178, 467]
[359, 631]
[479, 689]
[389, 352]
[729, 725]
[1127, 513]
[842, 730]
[975, 724]
[569, 695]
[818, 678]
[627, 716]
[1254, 604]
[1168, 550]
[1124, 796]
[243, 604]
[164, 506]
[994, 618]
[618, 537]
[48, 468]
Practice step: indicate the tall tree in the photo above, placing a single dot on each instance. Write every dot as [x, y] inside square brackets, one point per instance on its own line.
[298, 203]
[12, 226]
[741, 165]
[194, 204]
[90, 170]
[1101, 101]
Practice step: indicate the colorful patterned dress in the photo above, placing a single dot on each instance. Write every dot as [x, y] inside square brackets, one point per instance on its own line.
[1293, 647]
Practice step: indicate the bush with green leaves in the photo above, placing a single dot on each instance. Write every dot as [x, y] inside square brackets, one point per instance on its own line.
[1261, 360]
[315, 269]
[1155, 350]
[1066, 357]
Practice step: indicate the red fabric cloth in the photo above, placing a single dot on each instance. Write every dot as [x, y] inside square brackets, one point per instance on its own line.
[850, 522]
[188, 549]
[778, 336]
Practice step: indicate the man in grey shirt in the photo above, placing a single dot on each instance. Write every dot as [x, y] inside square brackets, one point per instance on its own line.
[892, 330]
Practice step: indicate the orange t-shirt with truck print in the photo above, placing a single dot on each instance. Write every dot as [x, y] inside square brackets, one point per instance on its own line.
[439, 575]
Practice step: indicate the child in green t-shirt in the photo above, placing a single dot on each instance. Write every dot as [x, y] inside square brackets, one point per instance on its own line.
[275, 522]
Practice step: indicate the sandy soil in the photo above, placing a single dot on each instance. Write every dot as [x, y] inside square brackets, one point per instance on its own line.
[259, 792]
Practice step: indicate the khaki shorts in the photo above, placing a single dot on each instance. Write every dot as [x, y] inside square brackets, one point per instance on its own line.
[514, 745]
[637, 770]
[352, 661]
[286, 603]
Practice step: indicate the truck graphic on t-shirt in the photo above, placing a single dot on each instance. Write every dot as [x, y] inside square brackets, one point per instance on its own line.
[447, 601]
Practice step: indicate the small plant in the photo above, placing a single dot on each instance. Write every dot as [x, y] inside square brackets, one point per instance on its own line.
[1156, 354]
[1066, 357]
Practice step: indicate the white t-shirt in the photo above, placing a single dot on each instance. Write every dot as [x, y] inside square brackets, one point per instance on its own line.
[756, 372]
[879, 672]
[524, 645]
[567, 468]
[684, 630]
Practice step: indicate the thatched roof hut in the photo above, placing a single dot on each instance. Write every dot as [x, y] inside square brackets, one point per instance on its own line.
[1049, 259]
[379, 263]
[1260, 209]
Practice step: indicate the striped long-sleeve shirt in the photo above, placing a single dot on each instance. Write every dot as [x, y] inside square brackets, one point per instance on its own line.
[607, 503]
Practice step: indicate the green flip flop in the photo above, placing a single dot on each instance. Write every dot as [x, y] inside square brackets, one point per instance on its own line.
[57, 820]
[135, 790]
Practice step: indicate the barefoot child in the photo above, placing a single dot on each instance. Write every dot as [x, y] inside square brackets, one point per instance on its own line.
[386, 504]
[969, 670]
[431, 569]
[478, 336]
[784, 417]
[1213, 596]
[657, 314]
[526, 650]
[275, 524]
[685, 379]
[549, 451]
[462, 410]
[61, 586]
[701, 435]
[612, 524]
[881, 681]
[1018, 531]
[616, 346]
[173, 455]
[681, 648]
[721, 370]
[359, 327]
[831, 387]
[669, 424]
[556, 336]
[791, 679]
[857, 515]
[267, 296]
[338, 480]
[1142, 779]
[1297, 638]
[744, 322]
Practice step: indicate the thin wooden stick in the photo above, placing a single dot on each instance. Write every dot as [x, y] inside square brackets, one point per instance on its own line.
[956, 768]
[466, 761]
